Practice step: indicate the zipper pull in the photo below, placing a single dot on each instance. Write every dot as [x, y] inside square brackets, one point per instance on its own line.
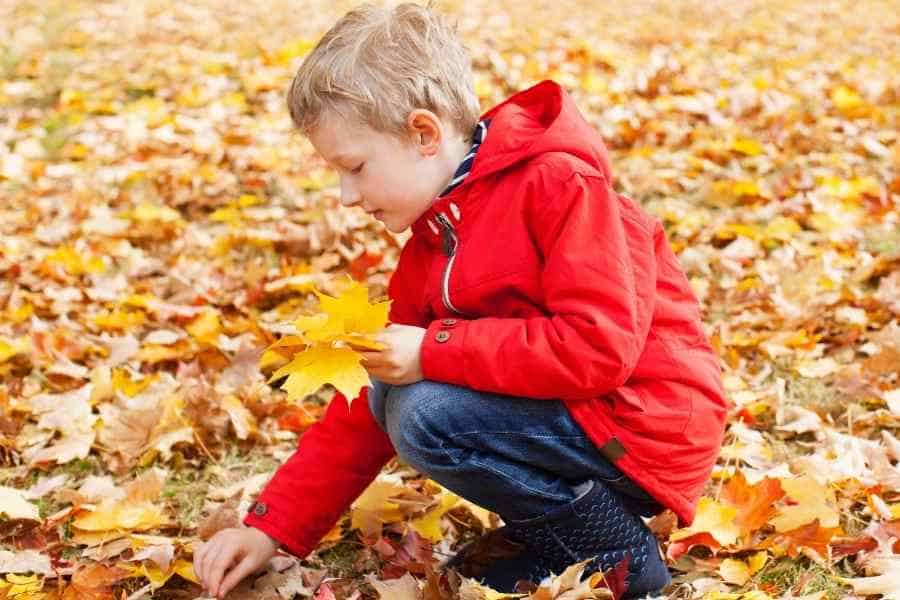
[448, 235]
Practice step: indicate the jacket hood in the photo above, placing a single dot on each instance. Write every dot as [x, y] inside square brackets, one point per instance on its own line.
[540, 119]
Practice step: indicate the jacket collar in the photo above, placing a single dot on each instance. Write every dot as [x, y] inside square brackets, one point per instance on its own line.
[538, 120]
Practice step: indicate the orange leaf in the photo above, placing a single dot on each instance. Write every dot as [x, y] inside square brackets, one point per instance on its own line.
[811, 536]
[755, 504]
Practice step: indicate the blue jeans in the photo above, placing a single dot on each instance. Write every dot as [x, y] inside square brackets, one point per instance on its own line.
[517, 457]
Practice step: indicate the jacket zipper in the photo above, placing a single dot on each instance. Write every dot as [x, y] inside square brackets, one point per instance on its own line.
[450, 244]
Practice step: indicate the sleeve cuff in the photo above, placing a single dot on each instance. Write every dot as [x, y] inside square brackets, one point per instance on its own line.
[443, 357]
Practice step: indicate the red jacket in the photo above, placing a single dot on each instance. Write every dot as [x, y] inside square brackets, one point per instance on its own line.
[534, 278]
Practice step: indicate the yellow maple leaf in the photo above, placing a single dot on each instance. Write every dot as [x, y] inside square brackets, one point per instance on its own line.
[328, 338]
[10, 348]
[374, 506]
[74, 262]
[22, 587]
[813, 501]
[19, 313]
[747, 146]
[429, 525]
[734, 571]
[206, 327]
[154, 353]
[848, 101]
[146, 212]
[321, 364]
[123, 381]
[111, 515]
[349, 317]
[119, 319]
[157, 577]
[713, 518]
[293, 49]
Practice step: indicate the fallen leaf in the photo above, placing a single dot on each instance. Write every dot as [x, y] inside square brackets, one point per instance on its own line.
[814, 502]
[14, 505]
[714, 519]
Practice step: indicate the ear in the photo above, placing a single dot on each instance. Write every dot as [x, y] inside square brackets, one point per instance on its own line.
[426, 131]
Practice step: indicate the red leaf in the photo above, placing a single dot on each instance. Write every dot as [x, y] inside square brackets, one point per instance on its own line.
[413, 555]
[615, 578]
[851, 546]
[295, 419]
[362, 263]
[324, 593]
[676, 549]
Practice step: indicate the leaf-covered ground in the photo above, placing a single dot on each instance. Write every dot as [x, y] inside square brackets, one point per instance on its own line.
[160, 223]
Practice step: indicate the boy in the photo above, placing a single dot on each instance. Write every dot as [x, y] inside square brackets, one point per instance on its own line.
[546, 358]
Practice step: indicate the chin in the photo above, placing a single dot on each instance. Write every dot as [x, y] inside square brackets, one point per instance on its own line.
[394, 226]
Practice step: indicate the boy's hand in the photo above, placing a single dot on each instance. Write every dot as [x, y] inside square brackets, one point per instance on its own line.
[400, 362]
[235, 551]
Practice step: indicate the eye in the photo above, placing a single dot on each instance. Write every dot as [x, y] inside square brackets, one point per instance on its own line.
[358, 169]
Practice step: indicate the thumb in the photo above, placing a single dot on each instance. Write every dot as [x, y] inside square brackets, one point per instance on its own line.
[241, 570]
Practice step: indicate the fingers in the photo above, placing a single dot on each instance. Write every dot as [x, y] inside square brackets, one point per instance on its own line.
[374, 360]
[198, 562]
[204, 558]
[243, 568]
[217, 567]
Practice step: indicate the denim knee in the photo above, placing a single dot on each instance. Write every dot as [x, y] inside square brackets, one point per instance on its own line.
[415, 416]
[378, 392]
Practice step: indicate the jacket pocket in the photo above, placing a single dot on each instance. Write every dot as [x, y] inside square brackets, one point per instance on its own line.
[654, 408]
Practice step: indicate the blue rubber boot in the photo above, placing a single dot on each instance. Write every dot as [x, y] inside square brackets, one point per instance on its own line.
[595, 526]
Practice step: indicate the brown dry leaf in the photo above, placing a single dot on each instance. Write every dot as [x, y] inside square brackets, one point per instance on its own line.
[134, 426]
[93, 583]
[242, 420]
[569, 585]
[886, 580]
[403, 588]
[374, 507]
[225, 516]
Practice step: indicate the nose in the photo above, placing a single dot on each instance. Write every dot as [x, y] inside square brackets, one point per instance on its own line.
[349, 193]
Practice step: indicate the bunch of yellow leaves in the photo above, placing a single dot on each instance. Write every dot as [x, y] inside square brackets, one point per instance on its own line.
[323, 349]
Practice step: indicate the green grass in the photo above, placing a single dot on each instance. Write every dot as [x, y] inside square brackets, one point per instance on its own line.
[187, 486]
[800, 575]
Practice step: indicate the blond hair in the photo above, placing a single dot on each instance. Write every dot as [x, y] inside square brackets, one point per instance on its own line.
[379, 64]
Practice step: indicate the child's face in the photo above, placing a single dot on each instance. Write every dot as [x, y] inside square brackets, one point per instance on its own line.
[394, 180]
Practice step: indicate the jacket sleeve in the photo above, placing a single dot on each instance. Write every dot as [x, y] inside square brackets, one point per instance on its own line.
[335, 461]
[598, 277]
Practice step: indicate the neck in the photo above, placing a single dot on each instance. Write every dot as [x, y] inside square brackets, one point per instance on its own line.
[457, 148]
